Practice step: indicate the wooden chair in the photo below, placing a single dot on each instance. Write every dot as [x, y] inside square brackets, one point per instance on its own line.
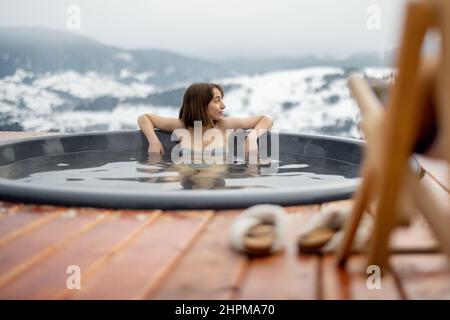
[423, 82]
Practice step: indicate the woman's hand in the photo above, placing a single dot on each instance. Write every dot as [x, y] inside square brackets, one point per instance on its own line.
[155, 147]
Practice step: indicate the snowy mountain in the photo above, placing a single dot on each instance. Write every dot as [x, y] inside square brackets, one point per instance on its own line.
[40, 50]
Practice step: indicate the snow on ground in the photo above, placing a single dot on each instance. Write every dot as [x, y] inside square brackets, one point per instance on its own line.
[92, 85]
[298, 100]
[309, 100]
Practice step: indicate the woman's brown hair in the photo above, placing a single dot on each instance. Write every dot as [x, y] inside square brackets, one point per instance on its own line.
[195, 104]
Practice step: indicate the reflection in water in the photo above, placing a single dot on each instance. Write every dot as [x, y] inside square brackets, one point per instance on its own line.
[126, 170]
[205, 175]
[197, 177]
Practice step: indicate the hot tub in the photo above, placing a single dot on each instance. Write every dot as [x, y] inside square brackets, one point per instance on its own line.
[113, 169]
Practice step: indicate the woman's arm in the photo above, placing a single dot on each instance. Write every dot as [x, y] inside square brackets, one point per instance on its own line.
[255, 122]
[148, 123]
[258, 124]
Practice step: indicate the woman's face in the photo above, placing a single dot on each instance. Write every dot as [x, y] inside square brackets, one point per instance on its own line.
[216, 106]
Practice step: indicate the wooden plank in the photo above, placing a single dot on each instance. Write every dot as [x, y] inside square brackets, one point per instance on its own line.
[412, 271]
[24, 252]
[18, 216]
[334, 281]
[361, 289]
[417, 236]
[48, 279]
[286, 275]
[209, 270]
[302, 208]
[150, 257]
[117, 249]
[16, 225]
[351, 283]
[423, 276]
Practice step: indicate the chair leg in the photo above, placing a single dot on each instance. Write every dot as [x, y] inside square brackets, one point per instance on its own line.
[385, 215]
[362, 201]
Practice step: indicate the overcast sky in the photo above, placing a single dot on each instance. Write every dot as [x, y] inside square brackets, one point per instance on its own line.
[223, 29]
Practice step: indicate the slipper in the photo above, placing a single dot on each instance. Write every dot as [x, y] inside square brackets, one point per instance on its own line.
[259, 230]
[325, 231]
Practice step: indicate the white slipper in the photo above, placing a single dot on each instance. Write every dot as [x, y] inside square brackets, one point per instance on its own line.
[325, 231]
[260, 229]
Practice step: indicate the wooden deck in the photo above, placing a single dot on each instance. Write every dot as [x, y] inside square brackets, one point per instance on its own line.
[154, 254]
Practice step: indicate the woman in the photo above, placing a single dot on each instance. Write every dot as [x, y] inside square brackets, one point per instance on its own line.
[204, 102]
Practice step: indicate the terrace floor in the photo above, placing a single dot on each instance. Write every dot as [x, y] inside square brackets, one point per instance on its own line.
[154, 254]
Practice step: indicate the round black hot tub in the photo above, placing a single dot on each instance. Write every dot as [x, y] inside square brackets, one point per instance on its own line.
[113, 169]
